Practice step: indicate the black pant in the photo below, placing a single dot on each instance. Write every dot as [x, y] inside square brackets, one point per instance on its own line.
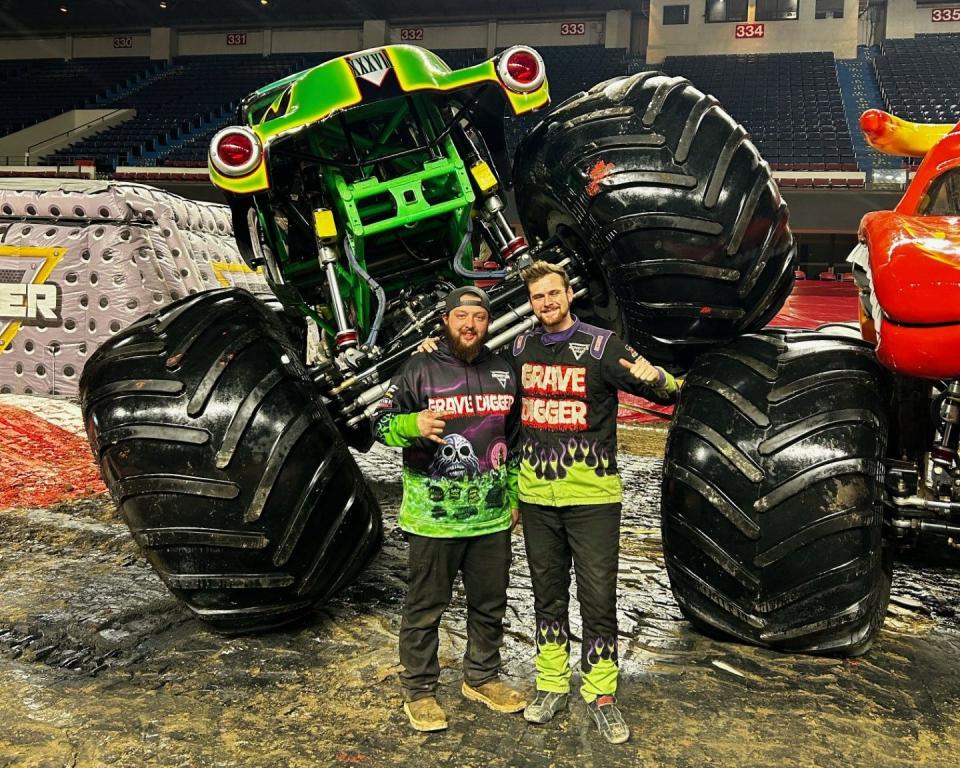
[588, 536]
[434, 563]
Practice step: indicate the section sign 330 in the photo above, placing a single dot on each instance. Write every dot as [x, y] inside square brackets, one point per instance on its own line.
[25, 296]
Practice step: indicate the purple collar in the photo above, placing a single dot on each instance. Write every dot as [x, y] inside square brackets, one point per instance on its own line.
[548, 339]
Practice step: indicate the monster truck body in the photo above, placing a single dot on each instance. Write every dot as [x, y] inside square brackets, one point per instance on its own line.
[366, 188]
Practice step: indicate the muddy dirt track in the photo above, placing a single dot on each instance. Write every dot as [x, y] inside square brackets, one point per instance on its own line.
[100, 666]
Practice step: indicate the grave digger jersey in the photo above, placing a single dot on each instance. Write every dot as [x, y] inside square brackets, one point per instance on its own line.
[467, 486]
[568, 435]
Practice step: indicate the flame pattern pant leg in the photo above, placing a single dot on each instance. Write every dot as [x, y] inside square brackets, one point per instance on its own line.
[549, 557]
[588, 537]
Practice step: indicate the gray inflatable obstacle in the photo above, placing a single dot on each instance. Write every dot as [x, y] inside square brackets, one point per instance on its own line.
[81, 260]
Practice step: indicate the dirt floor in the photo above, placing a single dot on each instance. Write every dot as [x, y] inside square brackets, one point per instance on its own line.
[100, 666]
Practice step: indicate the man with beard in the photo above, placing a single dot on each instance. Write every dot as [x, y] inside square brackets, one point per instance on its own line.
[570, 493]
[455, 414]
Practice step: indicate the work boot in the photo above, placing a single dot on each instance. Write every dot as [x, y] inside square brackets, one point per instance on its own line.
[497, 695]
[425, 714]
[605, 714]
[542, 709]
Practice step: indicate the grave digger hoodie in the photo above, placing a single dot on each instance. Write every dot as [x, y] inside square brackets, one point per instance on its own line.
[468, 486]
[568, 437]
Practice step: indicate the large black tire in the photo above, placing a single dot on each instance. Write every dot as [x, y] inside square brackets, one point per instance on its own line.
[772, 493]
[224, 463]
[674, 210]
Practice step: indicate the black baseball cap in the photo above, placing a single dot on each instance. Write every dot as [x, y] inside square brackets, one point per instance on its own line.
[467, 296]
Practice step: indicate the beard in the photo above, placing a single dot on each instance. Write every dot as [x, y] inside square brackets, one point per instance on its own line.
[463, 351]
[557, 317]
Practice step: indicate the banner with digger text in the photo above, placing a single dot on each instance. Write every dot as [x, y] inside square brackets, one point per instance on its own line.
[80, 260]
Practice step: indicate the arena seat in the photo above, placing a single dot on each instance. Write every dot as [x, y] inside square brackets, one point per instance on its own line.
[38, 89]
[790, 103]
[918, 77]
[196, 93]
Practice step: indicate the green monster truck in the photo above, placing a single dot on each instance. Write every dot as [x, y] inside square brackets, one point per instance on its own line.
[365, 188]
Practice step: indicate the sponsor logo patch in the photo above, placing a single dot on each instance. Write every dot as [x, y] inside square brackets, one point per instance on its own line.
[578, 349]
[371, 66]
[502, 376]
[25, 297]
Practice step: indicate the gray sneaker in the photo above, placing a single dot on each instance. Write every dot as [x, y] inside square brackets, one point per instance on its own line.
[542, 709]
[605, 714]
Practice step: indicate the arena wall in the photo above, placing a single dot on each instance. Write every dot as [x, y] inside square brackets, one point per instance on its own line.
[207, 43]
[164, 43]
[549, 32]
[806, 33]
[907, 19]
[36, 48]
[316, 40]
[438, 36]
[103, 46]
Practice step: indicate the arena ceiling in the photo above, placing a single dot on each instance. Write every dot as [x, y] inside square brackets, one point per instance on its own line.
[33, 17]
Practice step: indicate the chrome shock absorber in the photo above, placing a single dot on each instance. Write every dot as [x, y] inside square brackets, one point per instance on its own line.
[944, 472]
[325, 229]
[512, 246]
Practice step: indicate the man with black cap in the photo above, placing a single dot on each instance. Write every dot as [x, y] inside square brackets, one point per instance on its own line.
[455, 414]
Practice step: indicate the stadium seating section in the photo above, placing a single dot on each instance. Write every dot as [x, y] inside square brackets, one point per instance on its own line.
[192, 94]
[790, 104]
[180, 110]
[40, 89]
[918, 78]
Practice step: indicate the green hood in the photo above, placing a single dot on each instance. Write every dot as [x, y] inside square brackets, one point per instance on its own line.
[376, 74]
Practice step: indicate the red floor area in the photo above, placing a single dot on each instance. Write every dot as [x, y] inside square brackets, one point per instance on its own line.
[812, 303]
[42, 463]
